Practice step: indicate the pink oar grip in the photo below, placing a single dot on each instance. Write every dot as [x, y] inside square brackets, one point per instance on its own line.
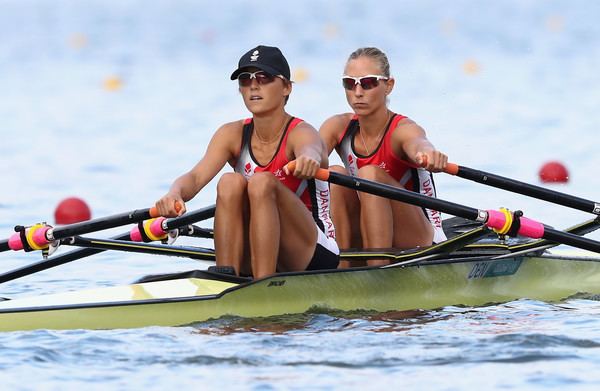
[14, 242]
[496, 219]
[156, 226]
[531, 228]
[156, 229]
[135, 234]
[39, 236]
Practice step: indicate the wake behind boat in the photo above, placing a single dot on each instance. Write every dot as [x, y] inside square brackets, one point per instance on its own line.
[471, 268]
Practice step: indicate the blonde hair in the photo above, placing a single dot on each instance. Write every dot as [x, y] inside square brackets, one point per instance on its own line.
[377, 55]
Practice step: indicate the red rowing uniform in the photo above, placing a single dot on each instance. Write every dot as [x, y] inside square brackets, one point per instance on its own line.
[410, 177]
[313, 192]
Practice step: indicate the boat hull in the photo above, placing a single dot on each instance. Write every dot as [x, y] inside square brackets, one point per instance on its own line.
[467, 282]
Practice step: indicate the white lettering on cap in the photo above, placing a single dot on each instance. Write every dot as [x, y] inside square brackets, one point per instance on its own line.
[254, 56]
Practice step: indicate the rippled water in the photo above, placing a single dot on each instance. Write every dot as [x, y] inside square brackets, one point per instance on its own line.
[499, 86]
[523, 344]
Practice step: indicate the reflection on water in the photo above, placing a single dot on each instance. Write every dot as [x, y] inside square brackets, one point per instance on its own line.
[319, 321]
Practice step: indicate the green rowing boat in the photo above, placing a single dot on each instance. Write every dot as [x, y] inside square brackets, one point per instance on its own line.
[481, 273]
[471, 268]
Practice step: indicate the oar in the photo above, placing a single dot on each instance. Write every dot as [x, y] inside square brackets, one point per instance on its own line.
[502, 222]
[527, 189]
[189, 217]
[39, 236]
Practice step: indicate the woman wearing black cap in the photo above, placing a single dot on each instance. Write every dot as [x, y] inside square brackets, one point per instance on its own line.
[267, 219]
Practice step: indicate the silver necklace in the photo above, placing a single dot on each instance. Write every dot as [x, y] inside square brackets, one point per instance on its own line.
[377, 138]
[263, 141]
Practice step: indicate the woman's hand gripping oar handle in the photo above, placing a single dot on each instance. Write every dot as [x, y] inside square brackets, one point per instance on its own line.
[155, 213]
[322, 173]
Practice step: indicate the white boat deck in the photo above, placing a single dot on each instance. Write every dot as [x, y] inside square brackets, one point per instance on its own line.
[150, 290]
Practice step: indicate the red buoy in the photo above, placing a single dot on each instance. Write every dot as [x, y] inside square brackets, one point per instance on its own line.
[554, 172]
[72, 210]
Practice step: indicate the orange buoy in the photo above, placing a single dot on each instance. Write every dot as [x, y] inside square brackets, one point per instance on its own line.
[299, 75]
[72, 210]
[554, 172]
[471, 67]
[113, 83]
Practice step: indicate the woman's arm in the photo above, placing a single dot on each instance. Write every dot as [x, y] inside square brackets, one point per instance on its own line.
[332, 129]
[308, 150]
[410, 141]
[221, 148]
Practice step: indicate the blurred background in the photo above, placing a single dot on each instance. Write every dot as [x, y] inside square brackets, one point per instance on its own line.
[111, 100]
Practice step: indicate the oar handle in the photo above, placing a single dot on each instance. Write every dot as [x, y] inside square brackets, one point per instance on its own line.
[451, 168]
[155, 213]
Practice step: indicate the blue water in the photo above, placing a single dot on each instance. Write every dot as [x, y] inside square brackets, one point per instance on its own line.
[502, 86]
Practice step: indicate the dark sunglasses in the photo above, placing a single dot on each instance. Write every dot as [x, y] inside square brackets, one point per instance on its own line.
[366, 82]
[262, 77]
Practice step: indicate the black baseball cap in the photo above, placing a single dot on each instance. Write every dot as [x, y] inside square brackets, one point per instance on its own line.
[266, 58]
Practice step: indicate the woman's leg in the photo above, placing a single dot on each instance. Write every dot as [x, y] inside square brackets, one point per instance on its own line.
[386, 223]
[283, 234]
[231, 222]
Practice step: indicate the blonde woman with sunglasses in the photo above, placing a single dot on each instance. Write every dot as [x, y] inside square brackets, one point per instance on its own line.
[267, 218]
[377, 144]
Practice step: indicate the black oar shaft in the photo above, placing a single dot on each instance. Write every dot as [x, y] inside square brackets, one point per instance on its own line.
[527, 189]
[409, 197]
[4, 245]
[571, 240]
[100, 224]
[191, 217]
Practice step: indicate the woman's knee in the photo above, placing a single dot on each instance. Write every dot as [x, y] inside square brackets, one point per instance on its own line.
[262, 185]
[231, 185]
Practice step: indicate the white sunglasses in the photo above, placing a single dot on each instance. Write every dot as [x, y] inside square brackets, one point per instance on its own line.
[366, 82]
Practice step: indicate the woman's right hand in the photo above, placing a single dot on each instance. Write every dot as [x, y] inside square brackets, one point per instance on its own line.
[170, 205]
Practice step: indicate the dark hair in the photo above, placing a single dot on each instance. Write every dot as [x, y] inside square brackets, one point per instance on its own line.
[377, 55]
